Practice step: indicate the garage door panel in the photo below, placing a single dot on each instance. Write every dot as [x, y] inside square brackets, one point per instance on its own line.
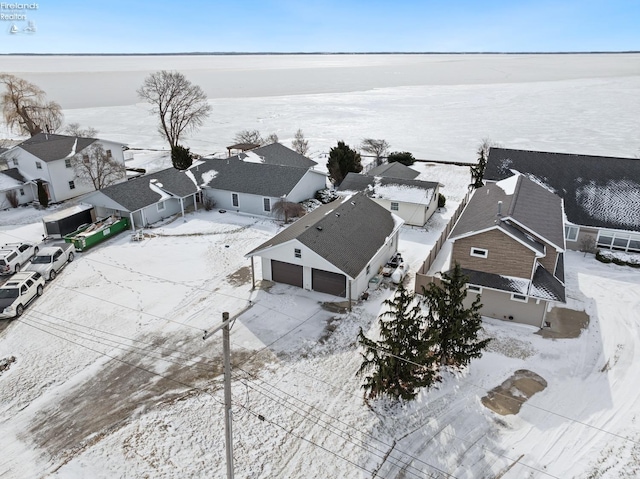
[328, 282]
[287, 273]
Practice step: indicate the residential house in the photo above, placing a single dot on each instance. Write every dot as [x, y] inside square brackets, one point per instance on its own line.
[412, 200]
[49, 158]
[394, 170]
[509, 242]
[245, 183]
[277, 154]
[147, 199]
[601, 194]
[12, 181]
[336, 248]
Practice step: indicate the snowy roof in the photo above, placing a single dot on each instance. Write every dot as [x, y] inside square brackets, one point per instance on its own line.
[518, 206]
[392, 189]
[232, 174]
[10, 179]
[597, 190]
[394, 170]
[51, 147]
[277, 154]
[347, 232]
[149, 189]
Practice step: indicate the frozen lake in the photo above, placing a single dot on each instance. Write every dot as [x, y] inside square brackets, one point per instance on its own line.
[436, 106]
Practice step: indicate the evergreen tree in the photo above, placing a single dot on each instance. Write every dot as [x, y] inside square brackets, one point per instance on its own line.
[181, 157]
[404, 157]
[401, 362]
[455, 326]
[342, 160]
[477, 171]
[43, 197]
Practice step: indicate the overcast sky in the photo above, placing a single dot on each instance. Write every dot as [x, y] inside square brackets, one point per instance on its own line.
[118, 26]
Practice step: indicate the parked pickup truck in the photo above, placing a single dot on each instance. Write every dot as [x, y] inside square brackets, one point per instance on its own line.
[51, 259]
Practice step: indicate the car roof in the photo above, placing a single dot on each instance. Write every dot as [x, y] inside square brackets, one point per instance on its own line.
[19, 278]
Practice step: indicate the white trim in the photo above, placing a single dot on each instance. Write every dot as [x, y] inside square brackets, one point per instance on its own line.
[573, 237]
[481, 252]
[517, 297]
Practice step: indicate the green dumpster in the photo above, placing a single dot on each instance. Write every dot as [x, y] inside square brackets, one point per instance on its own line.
[88, 236]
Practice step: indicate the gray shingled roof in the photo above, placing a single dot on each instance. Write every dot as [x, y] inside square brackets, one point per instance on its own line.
[543, 286]
[394, 170]
[597, 191]
[347, 232]
[530, 205]
[51, 147]
[277, 154]
[232, 174]
[136, 193]
[356, 182]
[14, 173]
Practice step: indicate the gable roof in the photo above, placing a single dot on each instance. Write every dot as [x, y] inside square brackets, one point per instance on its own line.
[527, 209]
[347, 232]
[10, 179]
[143, 191]
[50, 147]
[392, 189]
[394, 170]
[232, 174]
[277, 154]
[597, 191]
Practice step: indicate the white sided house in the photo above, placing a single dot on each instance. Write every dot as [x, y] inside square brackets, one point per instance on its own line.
[49, 158]
[12, 183]
[147, 199]
[335, 249]
[414, 201]
[243, 183]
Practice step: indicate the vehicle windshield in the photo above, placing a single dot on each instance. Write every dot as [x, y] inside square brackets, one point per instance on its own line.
[9, 293]
[41, 259]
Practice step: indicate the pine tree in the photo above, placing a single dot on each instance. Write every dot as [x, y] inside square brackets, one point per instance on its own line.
[455, 326]
[401, 362]
[181, 157]
[342, 160]
[43, 197]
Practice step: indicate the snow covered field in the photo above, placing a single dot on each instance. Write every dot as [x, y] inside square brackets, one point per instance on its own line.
[112, 376]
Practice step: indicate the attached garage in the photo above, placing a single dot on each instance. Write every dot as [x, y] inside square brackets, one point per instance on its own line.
[328, 282]
[287, 273]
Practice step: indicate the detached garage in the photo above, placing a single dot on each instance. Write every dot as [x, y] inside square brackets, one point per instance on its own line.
[335, 249]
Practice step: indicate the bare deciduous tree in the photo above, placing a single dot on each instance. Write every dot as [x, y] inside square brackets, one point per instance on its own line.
[25, 107]
[181, 105]
[299, 144]
[485, 145]
[287, 209]
[254, 137]
[74, 129]
[378, 148]
[93, 165]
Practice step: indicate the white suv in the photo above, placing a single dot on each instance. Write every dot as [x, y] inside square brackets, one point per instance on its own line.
[18, 292]
[14, 255]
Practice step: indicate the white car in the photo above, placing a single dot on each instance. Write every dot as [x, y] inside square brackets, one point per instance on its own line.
[50, 260]
[18, 292]
[14, 255]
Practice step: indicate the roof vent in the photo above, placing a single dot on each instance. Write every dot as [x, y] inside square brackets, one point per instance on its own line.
[337, 215]
[353, 203]
[499, 208]
[319, 228]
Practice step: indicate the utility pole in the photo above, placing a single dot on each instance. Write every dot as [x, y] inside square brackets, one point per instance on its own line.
[226, 350]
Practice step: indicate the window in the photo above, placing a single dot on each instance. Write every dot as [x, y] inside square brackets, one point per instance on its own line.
[266, 203]
[15, 162]
[519, 297]
[21, 192]
[234, 199]
[108, 153]
[394, 206]
[479, 252]
[472, 288]
[161, 206]
[571, 232]
[38, 165]
[618, 241]
[297, 253]
[72, 185]
[368, 269]
[85, 158]
[67, 163]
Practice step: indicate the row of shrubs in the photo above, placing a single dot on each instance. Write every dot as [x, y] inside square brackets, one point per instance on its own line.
[622, 259]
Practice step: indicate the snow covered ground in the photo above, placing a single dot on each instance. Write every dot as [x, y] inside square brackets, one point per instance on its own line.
[113, 378]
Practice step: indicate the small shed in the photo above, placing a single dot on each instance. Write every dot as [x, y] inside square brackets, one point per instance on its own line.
[66, 221]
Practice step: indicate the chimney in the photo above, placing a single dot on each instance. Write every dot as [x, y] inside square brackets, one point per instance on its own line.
[499, 208]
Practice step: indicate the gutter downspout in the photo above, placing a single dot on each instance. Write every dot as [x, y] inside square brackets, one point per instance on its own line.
[349, 295]
[253, 276]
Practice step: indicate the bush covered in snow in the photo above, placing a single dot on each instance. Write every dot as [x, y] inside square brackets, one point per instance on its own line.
[618, 257]
[326, 195]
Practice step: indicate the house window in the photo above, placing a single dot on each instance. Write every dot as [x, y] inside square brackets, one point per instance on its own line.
[67, 163]
[571, 232]
[394, 206]
[472, 288]
[618, 241]
[72, 185]
[234, 199]
[297, 253]
[38, 165]
[15, 162]
[479, 252]
[21, 192]
[368, 269]
[266, 203]
[519, 297]
[85, 158]
[108, 153]
[161, 206]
